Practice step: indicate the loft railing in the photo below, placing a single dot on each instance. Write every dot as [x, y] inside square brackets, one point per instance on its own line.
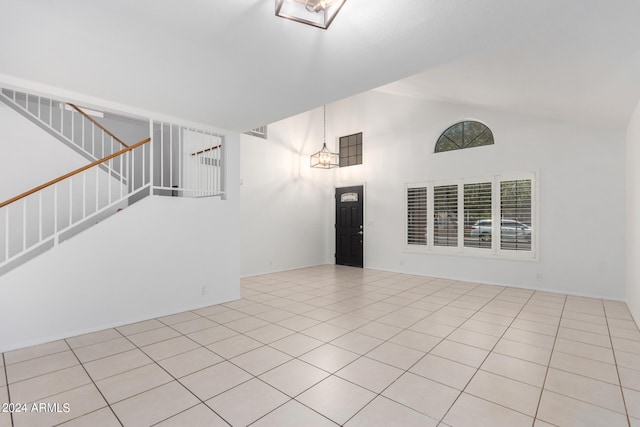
[49, 213]
[187, 162]
[67, 121]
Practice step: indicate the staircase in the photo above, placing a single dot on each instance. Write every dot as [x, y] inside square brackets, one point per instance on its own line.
[172, 161]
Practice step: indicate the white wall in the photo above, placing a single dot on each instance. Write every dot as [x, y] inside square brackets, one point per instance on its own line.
[633, 213]
[580, 176]
[286, 207]
[151, 259]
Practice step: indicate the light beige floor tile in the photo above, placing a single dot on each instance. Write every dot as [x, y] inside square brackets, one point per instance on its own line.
[210, 310]
[630, 378]
[260, 360]
[474, 339]
[590, 351]
[447, 319]
[5, 420]
[395, 355]
[531, 338]
[416, 340]
[42, 365]
[492, 318]
[370, 374]
[194, 325]
[246, 324]
[632, 400]
[254, 309]
[600, 320]
[620, 323]
[444, 371]
[348, 321]
[247, 402]
[431, 327]
[127, 384]
[190, 362]
[322, 314]
[585, 337]
[357, 342]
[3, 379]
[226, 316]
[580, 325]
[382, 412]
[198, 416]
[269, 333]
[470, 411]
[628, 334]
[274, 315]
[505, 391]
[4, 396]
[234, 346]
[103, 349]
[523, 351]
[116, 364]
[329, 357]
[214, 380]
[628, 360]
[586, 389]
[517, 369]
[93, 338]
[154, 405]
[294, 377]
[171, 347]
[298, 323]
[587, 367]
[462, 353]
[293, 414]
[325, 332]
[423, 395]
[483, 327]
[297, 344]
[397, 320]
[101, 418]
[211, 335]
[532, 316]
[139, 327]
[379, 330]
[539, 423]
[50, 384]
[562, 410]
[634, 422]
[179, 318]
[630, 346]
[336, 399]
[35, 352]
[153, 336]
[82, 400]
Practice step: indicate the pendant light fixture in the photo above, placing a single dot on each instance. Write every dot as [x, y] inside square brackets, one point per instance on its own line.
[317, 13]
[324, 158]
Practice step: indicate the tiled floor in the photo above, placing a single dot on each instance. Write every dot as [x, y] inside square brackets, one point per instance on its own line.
[335, 345]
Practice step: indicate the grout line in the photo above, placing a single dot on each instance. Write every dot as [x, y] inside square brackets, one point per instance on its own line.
[546, 374]
[615, 361]
[6, 377]
[95, 385]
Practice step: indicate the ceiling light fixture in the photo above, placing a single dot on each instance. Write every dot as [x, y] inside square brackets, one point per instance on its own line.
[318, 13]
[324, 158]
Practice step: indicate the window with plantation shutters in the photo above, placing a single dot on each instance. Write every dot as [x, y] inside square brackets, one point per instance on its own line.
[445, 215]
[477, 215]
[417, 216]
[515, 215]
[490, 216]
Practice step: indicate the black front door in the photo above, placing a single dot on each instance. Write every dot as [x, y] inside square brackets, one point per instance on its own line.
[349, 226]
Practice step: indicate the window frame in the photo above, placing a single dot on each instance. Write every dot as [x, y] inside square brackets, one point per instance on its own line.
[495, 250]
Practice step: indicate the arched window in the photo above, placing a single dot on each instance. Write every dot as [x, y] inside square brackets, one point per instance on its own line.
[465, 134]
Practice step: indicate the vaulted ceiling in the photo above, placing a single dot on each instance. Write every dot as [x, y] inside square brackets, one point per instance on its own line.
[233, 64]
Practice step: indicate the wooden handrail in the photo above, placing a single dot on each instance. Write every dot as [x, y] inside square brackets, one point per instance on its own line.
[79, 110]
[75, 172]
[215, 147]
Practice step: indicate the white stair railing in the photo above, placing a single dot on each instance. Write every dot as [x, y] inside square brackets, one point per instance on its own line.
[52, 212]
[69, 122]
